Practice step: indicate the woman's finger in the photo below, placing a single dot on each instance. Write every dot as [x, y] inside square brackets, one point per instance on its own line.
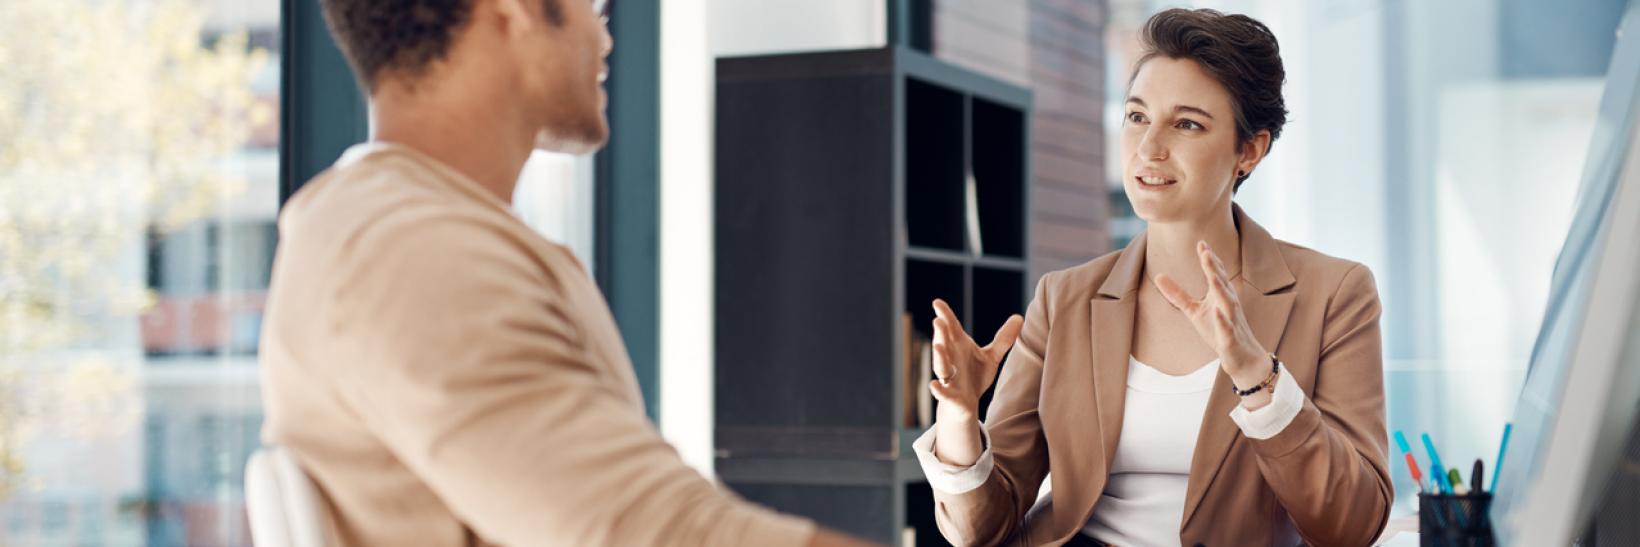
[1220, 293]
[943, 311]
[1176, 295]
[946, 317]
[1218, 262]
[1224, 274]
[944, 369]
[1204, 255]
[1219, 290]
[1005, 337]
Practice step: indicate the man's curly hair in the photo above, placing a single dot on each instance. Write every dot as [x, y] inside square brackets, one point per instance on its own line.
[402, 36]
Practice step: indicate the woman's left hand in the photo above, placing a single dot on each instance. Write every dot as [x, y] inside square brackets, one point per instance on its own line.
[1219, 321]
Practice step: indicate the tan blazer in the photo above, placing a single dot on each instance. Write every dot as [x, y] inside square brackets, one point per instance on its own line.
[448, 377]
[1059, 401]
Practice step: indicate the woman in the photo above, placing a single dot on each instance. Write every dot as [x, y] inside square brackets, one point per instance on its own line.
[1252, 414]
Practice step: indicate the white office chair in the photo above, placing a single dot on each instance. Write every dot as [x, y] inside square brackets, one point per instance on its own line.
[283, 504]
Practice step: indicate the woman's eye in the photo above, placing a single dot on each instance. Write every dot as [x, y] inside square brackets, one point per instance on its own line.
[1188, 124]
[1135, 117]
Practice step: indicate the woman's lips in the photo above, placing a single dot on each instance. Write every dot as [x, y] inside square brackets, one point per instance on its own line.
[1154, 181]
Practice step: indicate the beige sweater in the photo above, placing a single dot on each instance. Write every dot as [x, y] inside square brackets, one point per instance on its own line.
[449, 377]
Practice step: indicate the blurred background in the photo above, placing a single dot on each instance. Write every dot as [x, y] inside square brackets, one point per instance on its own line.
[146, 146]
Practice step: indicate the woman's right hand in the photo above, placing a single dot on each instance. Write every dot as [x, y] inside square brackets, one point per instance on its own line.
[962, 369]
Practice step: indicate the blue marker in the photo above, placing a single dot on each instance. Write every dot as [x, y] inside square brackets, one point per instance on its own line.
[1439, 508]
[1435, 459]
[1497, 468]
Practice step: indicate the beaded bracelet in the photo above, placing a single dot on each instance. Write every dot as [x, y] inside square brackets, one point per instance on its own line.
[1275, 367]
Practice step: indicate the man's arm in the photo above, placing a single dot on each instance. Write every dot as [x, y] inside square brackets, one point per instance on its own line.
[828, 538]
[466, 361]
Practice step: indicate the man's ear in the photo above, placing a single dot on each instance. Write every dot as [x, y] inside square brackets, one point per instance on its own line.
[514, 16]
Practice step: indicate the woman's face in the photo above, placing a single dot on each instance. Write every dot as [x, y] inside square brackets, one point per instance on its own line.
[1179, 152]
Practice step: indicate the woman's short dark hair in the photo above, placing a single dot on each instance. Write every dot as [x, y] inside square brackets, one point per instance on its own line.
[1238, 51]
[400, 35]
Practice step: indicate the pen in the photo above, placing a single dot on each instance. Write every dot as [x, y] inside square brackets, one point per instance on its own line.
[1443, 505]
[1412, 463]
[1475, 477]
[1497, 466]
[1435, 459]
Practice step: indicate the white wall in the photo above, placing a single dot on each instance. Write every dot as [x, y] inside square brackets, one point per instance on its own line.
[1321, 185]
[750, 27]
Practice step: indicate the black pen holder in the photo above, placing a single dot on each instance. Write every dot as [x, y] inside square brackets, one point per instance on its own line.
[1451, 520]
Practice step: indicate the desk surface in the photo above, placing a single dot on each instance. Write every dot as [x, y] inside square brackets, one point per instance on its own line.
[1401, 531]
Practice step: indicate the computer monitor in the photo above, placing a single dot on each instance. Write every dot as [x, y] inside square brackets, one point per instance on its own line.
[1582, 389]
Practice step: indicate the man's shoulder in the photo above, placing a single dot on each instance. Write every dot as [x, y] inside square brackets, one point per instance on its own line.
[381, 203]
[351, 196]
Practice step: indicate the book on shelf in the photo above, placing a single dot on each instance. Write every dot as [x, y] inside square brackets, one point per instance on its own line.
[971, 214]
[925, 400]
[917, 369]
[908, 371]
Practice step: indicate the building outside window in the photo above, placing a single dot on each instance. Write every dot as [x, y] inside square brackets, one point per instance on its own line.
[138, 206]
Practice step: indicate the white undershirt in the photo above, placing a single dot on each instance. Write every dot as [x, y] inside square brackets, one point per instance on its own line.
[1143, 499]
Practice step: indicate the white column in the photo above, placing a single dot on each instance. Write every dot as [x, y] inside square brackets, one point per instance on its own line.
[686, 80]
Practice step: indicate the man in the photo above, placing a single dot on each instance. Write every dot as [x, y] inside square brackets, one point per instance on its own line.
[444, 374]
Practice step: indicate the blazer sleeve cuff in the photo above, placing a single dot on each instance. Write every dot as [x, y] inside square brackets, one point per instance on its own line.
[1285, 403]
[951, 479]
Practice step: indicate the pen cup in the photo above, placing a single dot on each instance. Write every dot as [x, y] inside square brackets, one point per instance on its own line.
[1457, 521]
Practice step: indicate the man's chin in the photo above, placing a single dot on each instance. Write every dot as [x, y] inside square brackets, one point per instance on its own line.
[577, 143]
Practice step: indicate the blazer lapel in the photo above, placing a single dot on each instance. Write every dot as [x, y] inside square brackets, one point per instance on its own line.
[1266, 302]
[1112, 323]
[1111, 337]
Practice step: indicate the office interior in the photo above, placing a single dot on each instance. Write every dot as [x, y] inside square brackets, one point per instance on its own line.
[1442, 144]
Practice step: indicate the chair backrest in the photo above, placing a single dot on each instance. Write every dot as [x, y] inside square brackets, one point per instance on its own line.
[283, 504]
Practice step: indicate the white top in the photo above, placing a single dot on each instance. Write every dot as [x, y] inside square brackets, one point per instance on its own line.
[1143, 500]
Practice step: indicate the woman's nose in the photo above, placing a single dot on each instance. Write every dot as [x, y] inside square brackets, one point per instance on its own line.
[1151, 147]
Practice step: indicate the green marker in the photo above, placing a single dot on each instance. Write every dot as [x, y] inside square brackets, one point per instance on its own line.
[1456, 479]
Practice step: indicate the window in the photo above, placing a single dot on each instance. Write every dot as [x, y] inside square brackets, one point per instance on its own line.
[138, 192]
[555, 197]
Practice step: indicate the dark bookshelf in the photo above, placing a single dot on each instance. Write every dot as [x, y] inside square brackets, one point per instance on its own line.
[841, 206]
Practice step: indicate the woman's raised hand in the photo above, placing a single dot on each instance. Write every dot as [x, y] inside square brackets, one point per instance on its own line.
[963, 370]
[1220, 320]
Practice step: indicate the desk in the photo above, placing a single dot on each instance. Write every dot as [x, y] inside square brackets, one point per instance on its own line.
[1401, 531]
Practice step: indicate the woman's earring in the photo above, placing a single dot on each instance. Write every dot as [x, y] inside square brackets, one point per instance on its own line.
[1240, 174]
